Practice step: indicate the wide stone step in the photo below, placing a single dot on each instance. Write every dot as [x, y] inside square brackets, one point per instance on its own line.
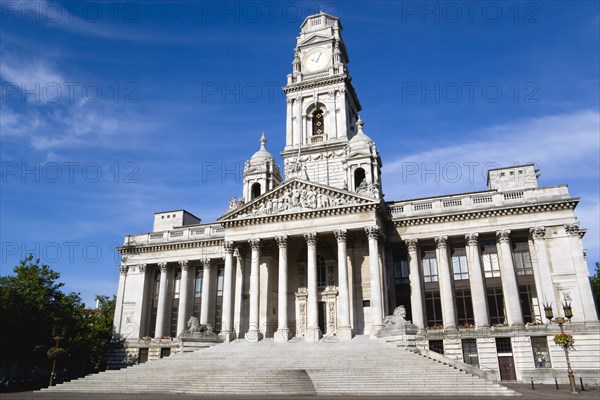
[362, 367]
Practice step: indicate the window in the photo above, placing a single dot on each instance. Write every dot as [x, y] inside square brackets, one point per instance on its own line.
[321, 272]
[470, 356]
[220, 281]
[459, 264]
[429, 264]
[197, 293]
[503, 345]
[165, 352]
[401, 272]
[529, 303]
[255, 190]
[433, 308]
[175, 304]
[541, 355]
[154, 308]
[464, 307]
[521, 257]
[489, 257]
[359, 177]
[496, 305]
[318, 124]
[437, 346]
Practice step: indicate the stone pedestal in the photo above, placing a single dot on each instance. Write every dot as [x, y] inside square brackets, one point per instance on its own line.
[313, 335]
[344, 333]
[253, 336]
[399, 331]
[281, 335]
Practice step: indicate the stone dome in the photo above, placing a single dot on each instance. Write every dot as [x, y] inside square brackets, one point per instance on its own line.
[360, 142]
[262, 155]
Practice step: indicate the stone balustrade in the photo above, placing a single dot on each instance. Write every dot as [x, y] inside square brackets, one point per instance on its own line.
[213, 231]
[474, 201]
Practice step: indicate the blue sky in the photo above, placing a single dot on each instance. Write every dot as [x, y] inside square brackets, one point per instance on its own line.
[113, 111]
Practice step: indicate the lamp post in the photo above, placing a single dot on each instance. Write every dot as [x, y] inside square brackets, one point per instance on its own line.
[568, 311]
[57, 336]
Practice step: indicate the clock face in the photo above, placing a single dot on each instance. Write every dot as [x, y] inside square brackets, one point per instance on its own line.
[315, 60]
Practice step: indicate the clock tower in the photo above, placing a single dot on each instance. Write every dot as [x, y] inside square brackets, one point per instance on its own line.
[322, 110]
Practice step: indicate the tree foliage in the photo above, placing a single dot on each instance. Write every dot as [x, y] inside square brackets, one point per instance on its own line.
[595, 281]
[33, 309]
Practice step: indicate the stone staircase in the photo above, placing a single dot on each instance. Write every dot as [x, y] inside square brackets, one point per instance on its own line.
[361, 367]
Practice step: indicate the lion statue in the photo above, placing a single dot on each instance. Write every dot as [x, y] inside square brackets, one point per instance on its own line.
[398, 317]
[194, 325]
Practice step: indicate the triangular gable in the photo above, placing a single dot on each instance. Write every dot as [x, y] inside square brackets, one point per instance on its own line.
[314, 38]
[297, 196]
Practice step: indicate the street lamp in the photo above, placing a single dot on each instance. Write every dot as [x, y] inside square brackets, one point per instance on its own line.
[568, 311]
[57, 335]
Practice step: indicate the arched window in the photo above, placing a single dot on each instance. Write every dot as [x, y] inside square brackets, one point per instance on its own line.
[359, 177]
[255, 190]
[321, 272]
[318, 124]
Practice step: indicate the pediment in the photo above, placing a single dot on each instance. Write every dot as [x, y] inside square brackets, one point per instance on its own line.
[313, 39]
[298, 196]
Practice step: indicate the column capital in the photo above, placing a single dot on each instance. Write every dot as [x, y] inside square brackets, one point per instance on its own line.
[184, 265]
[537, 232]
[142, 267]
[472, 239]
[311, 238]
[123, 269]
[254, 244]
[282, 241]
[503, 236]
[441, 242]
[163, 266]
[206, 263]
[572, 229]
[228, 247]
[412, 245]
[373, 232]
[341, 235]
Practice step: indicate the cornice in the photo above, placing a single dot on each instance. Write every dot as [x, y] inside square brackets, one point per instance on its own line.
[476, 214]
[149, 248]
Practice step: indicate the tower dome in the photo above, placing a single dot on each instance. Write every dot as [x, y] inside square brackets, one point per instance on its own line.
[262, 154]
[360, 143]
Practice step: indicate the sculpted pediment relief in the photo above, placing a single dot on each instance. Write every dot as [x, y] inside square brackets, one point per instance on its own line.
[298, 196]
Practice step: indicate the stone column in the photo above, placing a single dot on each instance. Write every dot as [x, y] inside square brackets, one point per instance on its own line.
[162, 302]
[226, 325]
[375, 279]
[283, 331]
[206, 295]
[298, 130]
[510, 289]
[183, 297]
[239, 292]
[344, 329]
[477, 281]
[313, 333]
[119, 304]
[416, 284]
[541, 271]
[586, 297]
[445, 283]
[253, 334]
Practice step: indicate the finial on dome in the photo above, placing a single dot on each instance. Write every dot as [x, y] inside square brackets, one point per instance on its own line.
[360, 124]
[263, 141]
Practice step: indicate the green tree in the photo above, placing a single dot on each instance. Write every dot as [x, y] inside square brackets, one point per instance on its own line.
[33, 308]
[32, 304]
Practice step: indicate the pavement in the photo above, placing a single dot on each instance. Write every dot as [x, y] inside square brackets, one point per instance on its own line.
[541, 392]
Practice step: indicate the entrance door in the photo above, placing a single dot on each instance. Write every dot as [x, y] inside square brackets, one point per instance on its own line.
[322, 315]
[506, 365]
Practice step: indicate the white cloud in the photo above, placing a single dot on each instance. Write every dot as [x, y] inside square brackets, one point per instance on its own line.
[564, 147]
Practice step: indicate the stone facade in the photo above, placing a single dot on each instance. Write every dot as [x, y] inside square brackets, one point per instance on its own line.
[320, 253]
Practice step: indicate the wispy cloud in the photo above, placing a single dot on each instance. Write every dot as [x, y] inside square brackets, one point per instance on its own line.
[564, 147]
